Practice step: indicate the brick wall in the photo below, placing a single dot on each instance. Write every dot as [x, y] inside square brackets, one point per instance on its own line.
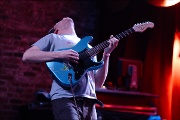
[21, 24]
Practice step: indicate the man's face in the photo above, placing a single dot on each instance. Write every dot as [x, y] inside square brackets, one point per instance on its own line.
[65, 24]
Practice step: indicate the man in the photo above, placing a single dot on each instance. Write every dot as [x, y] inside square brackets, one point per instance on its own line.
[79, 101]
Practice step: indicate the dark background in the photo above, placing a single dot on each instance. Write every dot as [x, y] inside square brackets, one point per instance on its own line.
[24, 22]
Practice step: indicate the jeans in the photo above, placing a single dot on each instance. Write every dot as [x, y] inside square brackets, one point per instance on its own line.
[65, 109]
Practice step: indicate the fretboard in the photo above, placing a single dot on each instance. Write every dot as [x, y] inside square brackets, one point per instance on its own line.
[101, 46]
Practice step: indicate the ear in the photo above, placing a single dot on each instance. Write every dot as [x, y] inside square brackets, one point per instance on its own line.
[56, 31]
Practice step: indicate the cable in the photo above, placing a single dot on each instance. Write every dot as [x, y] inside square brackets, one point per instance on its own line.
[70, 79]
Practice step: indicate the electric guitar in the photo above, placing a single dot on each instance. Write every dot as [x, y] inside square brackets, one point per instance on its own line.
[68, 74]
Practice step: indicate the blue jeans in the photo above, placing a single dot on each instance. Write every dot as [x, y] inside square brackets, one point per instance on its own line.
[65, 109]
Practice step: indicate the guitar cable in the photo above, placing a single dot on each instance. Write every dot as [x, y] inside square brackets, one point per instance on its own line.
[74, 98]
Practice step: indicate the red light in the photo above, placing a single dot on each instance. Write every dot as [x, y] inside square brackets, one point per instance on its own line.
[163, 3]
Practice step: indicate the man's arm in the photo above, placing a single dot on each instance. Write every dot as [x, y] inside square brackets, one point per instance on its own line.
[34, 54]
[102, 72]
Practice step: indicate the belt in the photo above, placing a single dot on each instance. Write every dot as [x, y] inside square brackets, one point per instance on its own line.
[95, 101]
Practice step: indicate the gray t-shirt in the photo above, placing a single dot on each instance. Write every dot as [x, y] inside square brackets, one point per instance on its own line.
[86, 86]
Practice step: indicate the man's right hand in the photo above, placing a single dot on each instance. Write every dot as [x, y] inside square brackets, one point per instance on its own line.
[69, 55]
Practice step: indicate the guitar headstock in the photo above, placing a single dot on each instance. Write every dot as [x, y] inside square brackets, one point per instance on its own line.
[141, 27]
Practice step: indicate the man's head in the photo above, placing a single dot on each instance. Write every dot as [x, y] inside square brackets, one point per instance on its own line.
[65, 26]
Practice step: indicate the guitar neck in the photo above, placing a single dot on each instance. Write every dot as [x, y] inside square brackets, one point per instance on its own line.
[98, 48]
[124, 34]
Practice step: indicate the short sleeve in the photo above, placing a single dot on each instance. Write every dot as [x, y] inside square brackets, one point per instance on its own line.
[44, 43]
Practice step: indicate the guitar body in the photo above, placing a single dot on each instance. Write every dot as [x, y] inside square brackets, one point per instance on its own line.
[68, 73]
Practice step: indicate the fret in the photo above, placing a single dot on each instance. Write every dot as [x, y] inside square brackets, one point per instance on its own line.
[117, 37]
[124, 34]
[127, 32]
[131, 30]
[84, 55]
[95, 50]
[120, 36]
[90, 52]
